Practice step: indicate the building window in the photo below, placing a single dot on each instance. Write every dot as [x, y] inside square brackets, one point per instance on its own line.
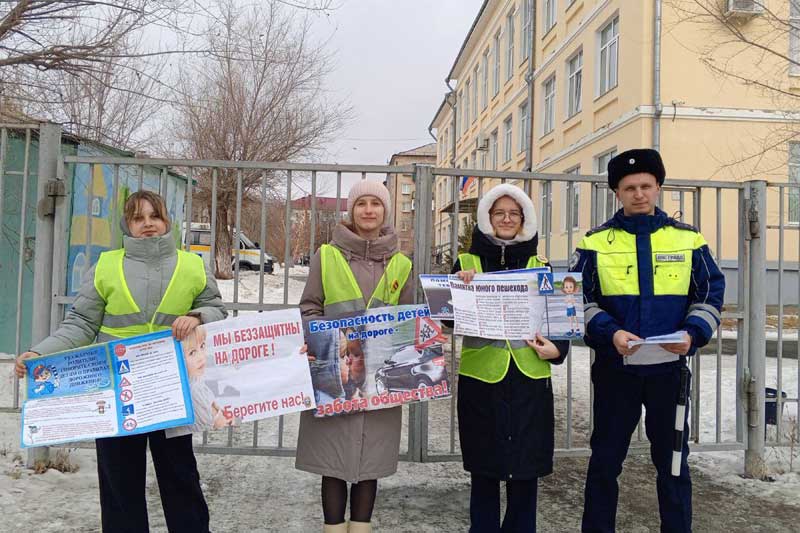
[483, 160]
[527, 28]
[507, 134]
[496, 81]
[509, 45]
[475, 94]
[794, 38]
[406, 207]
[549, 111]
[611, 200]
[459, 114]
[575, 200]
[406, 188]
[794, 179]
[603, 159]
[574, 84]
[485, 80]
[609, 54]
[467, 116]
[524, 127]
[549, 12]
[493, 149]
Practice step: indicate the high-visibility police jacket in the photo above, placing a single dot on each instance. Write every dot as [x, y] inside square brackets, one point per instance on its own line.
[488, 359]
[341, 291]
[123, 318]
[649, 275]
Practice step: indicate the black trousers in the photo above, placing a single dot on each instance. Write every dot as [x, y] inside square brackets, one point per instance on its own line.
[484, 506]
[618, 400]
[121, 469]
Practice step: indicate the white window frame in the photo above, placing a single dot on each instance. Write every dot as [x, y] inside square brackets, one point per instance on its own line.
[510, 45]
[608, 57]
[526, 33]
[574, 84]
[406, 207]
[794, 37]
[548, 15]
[601, 165]
[508, 137]
[485, 80]
[459, 114]
[496, 70]
[576, 201]
[405, 188]
[524, 126]
[549, 105]
[475, 94]
[493, 148]
[467, 115]
[793, 211]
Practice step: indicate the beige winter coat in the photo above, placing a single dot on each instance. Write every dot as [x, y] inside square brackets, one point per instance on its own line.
[358, 446]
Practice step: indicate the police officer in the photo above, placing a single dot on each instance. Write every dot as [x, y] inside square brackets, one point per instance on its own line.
[644, 274]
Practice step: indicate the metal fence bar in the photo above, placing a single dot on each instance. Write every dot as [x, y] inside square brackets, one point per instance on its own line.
[188, 216]
[237, 268]
[262, 246]
[570, 224]
[23, 212]
[743, 306]
[781, 249]
[115, 207]
[718, 247]
[755, 465]
[213, 250]
[313, 240]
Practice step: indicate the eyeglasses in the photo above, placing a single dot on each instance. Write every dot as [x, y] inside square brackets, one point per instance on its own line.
[501, 215]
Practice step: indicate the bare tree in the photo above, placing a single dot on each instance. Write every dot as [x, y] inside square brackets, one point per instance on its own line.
[759, 50]
[119, 105]
[258, 96]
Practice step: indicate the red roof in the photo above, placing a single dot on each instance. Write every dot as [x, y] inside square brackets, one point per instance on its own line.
[324, 203]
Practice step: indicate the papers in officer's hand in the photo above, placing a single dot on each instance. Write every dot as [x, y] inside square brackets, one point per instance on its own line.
[650, 351]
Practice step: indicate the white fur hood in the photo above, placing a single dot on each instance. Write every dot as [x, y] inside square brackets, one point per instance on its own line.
[529, 225]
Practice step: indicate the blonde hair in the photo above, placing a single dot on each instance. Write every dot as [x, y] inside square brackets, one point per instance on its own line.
[154, 199]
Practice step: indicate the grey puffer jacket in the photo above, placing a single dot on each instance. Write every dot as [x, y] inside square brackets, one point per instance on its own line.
[148, 267]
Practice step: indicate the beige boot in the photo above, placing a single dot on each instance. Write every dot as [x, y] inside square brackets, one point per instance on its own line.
[336, 528]
[360, 527]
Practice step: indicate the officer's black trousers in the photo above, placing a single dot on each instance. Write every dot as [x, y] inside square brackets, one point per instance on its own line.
[618, 400]
[121, 468]
[484, 506]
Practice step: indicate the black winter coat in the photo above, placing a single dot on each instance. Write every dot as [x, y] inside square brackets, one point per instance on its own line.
[506, 428]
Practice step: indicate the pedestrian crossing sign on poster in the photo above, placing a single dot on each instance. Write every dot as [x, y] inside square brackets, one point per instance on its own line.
[546, 283]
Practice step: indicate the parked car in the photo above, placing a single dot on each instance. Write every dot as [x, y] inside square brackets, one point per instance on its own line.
[249, 251]
[410, 368]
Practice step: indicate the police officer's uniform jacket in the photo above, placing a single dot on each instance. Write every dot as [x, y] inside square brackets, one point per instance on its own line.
[649, 275]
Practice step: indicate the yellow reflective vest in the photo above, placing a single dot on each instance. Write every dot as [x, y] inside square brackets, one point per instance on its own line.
[341, 291]
[488, 359]
[123, 318]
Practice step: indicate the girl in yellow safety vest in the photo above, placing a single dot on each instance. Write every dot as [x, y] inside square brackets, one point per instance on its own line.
[505, 399]
[147, 285]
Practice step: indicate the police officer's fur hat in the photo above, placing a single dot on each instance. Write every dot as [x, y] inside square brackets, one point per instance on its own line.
[529, 225]
[633, 162]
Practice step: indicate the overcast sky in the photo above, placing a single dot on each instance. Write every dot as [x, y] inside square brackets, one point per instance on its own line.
[391, 59]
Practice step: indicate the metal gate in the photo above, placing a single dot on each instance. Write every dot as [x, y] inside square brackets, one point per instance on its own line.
[728, 405]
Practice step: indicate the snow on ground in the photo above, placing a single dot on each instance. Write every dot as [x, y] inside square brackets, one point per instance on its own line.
[263, 493]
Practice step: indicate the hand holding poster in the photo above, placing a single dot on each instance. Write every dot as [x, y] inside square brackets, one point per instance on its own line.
[247, 368]
[376, 359]
[509, 304]
[124, 387]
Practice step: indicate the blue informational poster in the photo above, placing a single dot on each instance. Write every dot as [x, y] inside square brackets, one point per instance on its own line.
[119, 388]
